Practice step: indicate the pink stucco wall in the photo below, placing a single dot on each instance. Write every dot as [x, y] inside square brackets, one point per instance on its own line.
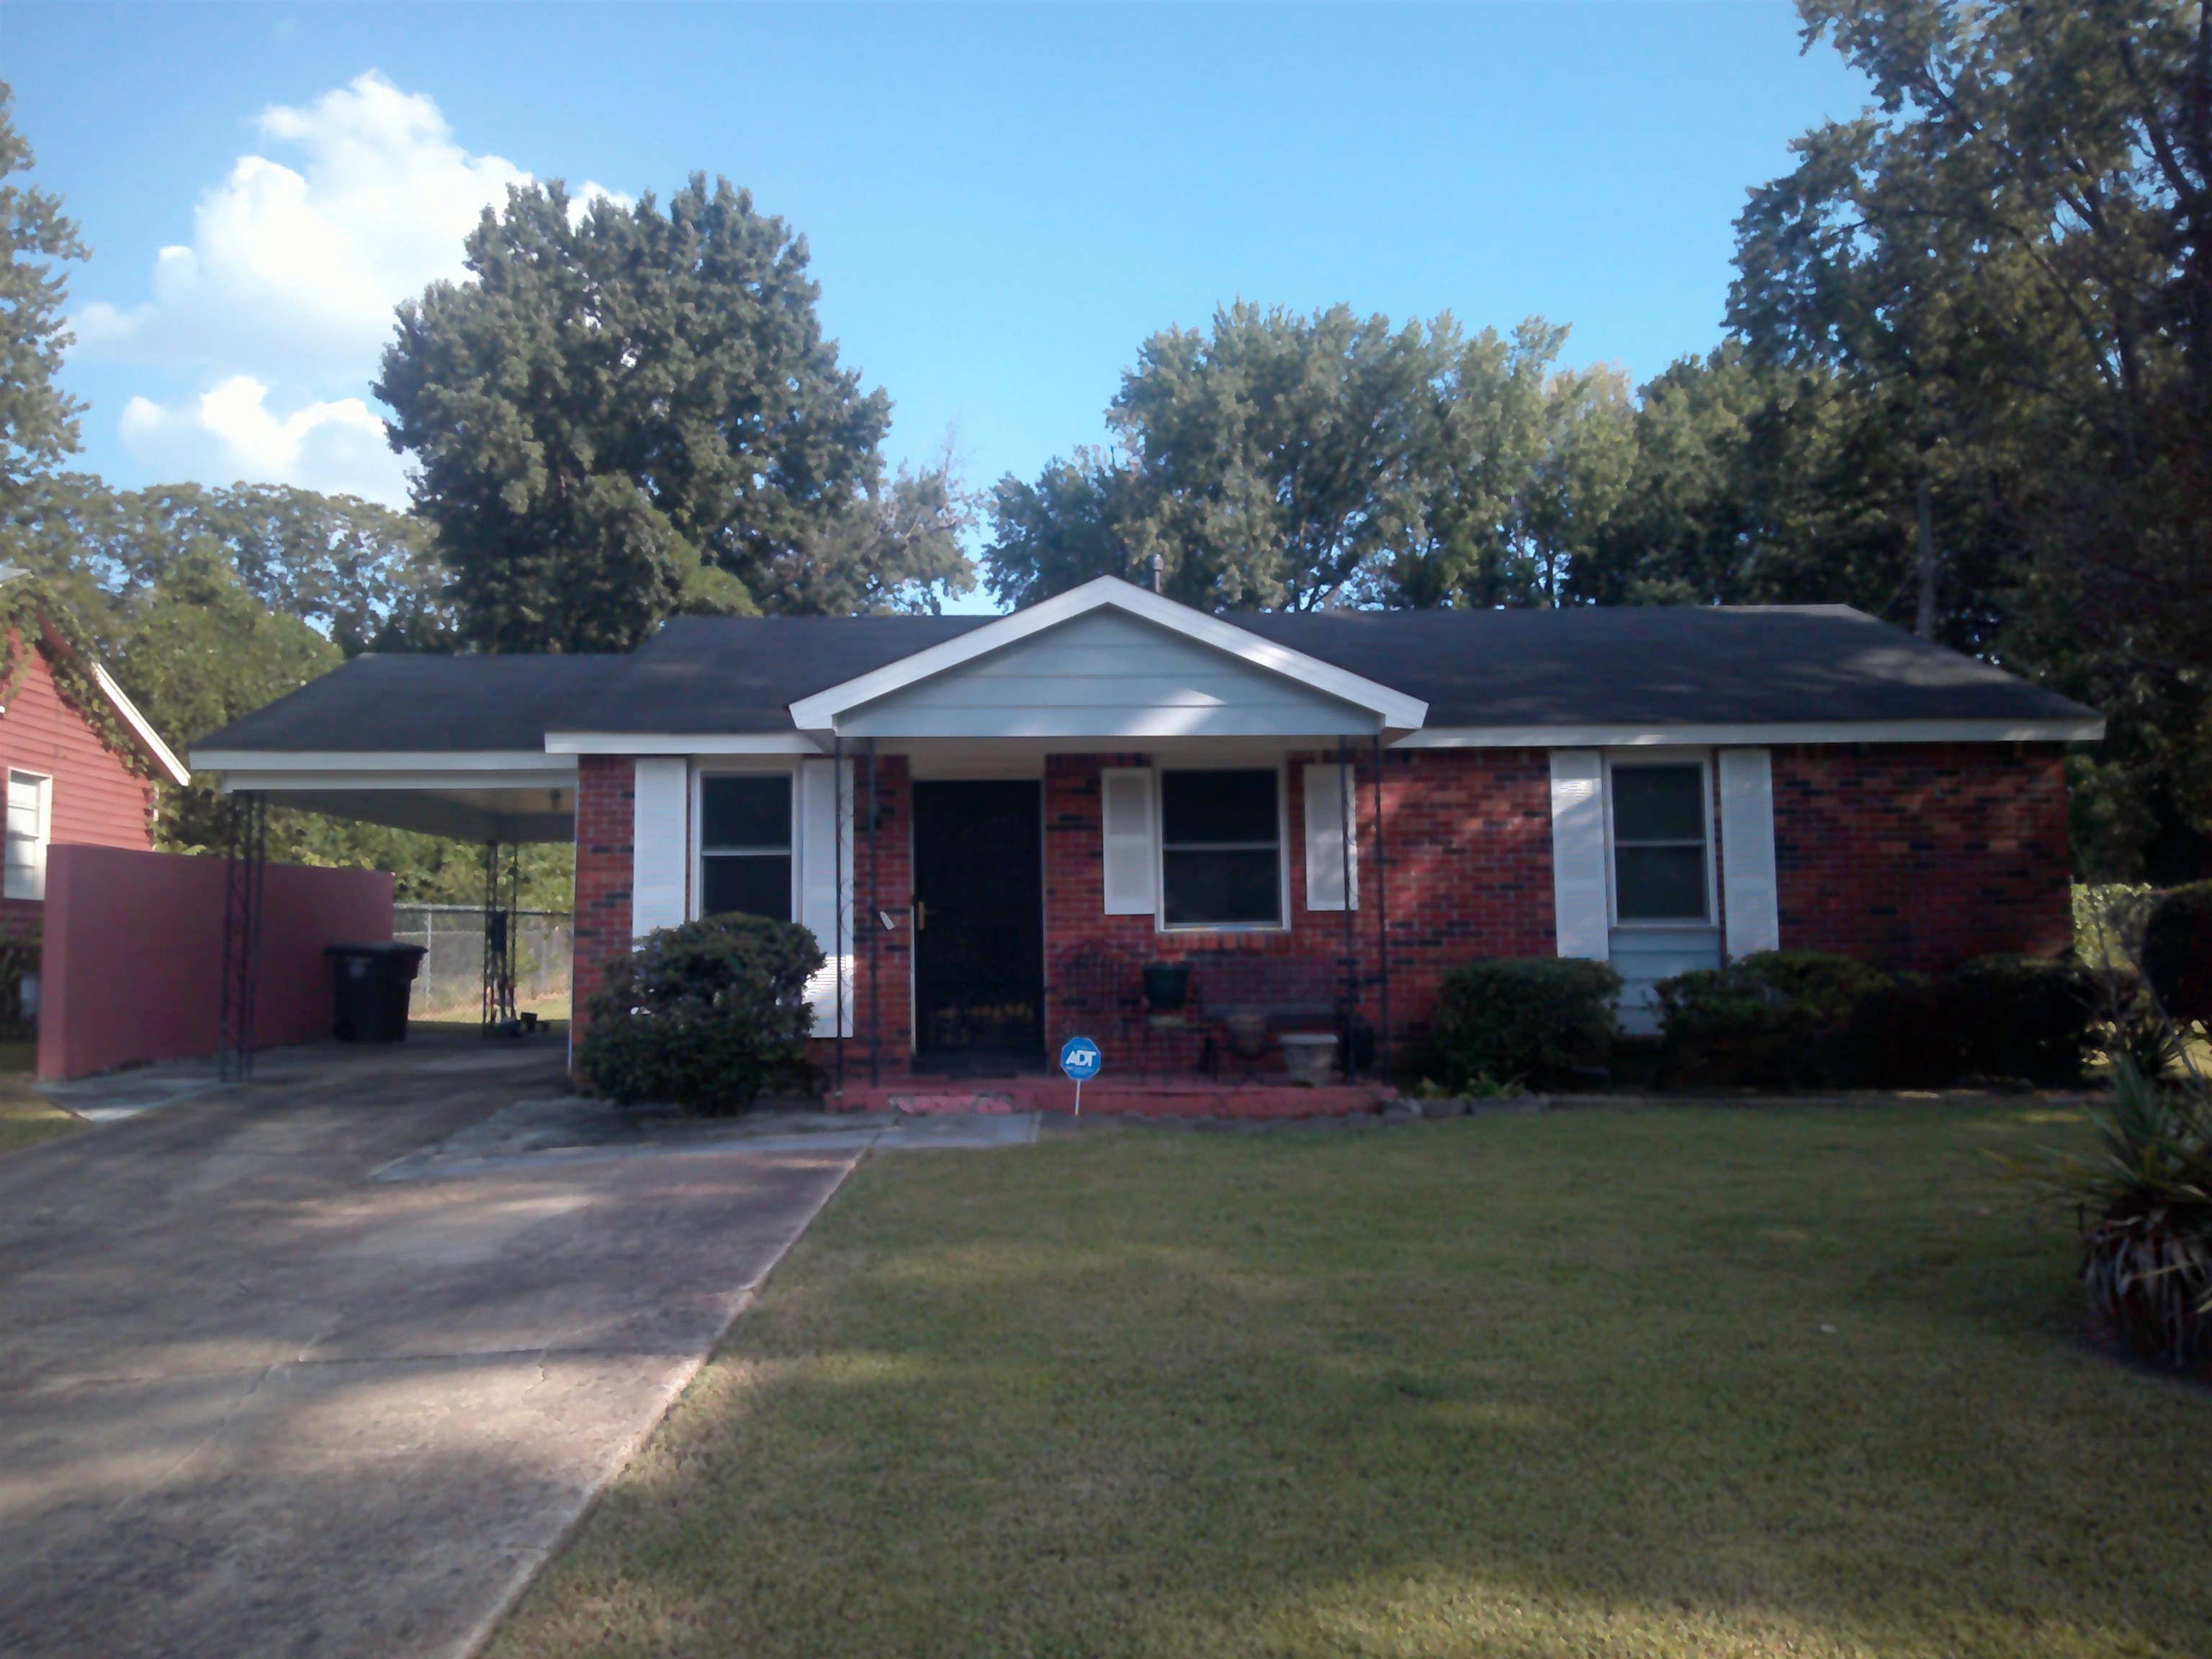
[131, 964]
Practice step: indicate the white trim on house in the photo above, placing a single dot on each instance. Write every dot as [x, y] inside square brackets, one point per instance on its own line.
[1750, 894]
[1394, 710]
[127, 711]
[679, 743]
[1706, 737]
[252, 779]
[1582, 906]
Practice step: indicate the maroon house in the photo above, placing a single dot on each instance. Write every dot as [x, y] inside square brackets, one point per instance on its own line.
[995, 825]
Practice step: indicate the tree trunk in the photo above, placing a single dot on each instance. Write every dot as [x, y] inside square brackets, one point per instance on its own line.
[1924, 622]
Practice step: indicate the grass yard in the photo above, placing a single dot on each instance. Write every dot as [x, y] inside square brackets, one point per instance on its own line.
[25, 1118]
[1802, 1382]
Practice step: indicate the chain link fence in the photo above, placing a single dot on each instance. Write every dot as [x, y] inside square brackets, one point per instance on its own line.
[451, 982]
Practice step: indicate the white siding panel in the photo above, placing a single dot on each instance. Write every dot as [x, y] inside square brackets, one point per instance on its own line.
[1108, 675]
[1327, 788]
[1125, 810]
[660, 854]
[1578, 896]
[1747, 851]
[1644, 955]
[826, 886]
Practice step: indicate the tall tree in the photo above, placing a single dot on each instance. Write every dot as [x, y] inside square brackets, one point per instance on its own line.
[38, 419]
[631, 412]
[1285, 461]
[2007, 261]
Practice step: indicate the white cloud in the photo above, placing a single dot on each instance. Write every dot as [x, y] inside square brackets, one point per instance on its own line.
[288, 287]
[229, 433]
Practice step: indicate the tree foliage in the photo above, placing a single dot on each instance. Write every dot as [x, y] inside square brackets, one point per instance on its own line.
[38, 419]
[632, 411]
[1280, 460]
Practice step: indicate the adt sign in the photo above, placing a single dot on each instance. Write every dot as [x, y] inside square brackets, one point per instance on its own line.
[1080, 1059]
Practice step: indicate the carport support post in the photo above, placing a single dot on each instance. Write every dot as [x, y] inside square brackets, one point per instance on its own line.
[841, 942]
[875, 927]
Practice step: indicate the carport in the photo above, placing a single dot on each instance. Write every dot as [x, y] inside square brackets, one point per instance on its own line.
[451, 746]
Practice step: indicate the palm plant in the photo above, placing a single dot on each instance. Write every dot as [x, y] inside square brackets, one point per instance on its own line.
[2146, 1203]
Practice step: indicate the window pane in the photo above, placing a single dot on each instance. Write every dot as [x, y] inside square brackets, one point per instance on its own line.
[1658, 803]
[745, 812]
[1218, 888]
[751, 885]
[1660, 883]
[1208, 808]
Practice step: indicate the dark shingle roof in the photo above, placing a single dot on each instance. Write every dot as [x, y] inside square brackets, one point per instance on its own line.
[424, 704]
[1661, 666]
[1580, 667]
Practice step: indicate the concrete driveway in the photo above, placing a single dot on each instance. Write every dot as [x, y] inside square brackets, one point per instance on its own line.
[252, 1402]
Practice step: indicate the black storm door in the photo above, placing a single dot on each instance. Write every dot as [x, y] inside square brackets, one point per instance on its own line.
[979, 924]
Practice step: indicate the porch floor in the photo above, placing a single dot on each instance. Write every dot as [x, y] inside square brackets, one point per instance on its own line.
[1171, 1098]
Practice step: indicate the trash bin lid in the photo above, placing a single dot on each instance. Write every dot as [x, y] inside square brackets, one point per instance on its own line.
[388, 948]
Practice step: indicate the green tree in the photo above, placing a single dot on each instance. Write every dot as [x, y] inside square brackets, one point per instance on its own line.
[631, 412]
[2006, 263]
[1285, 461]
[38, 419]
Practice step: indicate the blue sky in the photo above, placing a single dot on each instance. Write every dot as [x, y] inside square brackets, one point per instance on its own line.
[1001, 201]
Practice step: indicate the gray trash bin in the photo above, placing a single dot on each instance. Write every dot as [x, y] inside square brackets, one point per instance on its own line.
[371, 984]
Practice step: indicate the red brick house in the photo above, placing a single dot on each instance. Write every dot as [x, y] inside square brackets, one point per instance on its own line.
[994, 824]
[82, 766]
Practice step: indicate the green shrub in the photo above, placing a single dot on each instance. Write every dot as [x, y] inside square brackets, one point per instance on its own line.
[1534, 1020]
[1995, 1016]
[1773, 1019]
[704, 1016]
[2177, 953]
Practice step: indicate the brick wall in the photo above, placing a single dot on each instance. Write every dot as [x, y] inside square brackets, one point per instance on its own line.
[605, 793]
[1468, 873]
[887, 1017]
[1921, 855]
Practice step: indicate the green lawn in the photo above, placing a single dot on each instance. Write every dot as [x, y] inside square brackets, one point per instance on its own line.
[1697, 1380]
[24, 1117]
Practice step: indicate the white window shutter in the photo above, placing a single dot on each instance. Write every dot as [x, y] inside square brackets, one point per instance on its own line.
[1125, 808]
[1579, 896]
[1328, 793]
[1747, 883]
[826, 886]
[659, 843]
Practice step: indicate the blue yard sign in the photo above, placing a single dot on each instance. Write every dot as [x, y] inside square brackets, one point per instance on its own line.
[1080, 1059]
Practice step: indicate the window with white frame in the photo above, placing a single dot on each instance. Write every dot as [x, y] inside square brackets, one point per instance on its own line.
[1662, 861]
[744, 845]
[27, 801]
[1221, 848]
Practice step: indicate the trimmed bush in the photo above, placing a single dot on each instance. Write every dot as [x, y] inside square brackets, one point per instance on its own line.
[704, 1016]
[1995, 1016]
[1534, 1020]
[1774, 1019]
[2176, 953]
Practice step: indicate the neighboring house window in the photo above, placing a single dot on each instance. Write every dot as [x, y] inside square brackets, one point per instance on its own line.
[28, 797]
[744, 846]
[1221, 849]
[1660, 862]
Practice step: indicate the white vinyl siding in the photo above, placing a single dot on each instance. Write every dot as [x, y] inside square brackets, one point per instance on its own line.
[1578, 863]
[30, 820]
[1131, 856]
[1328, 794]
[660, 801]
[825, 874]
[1107, 674]
[1749, 903]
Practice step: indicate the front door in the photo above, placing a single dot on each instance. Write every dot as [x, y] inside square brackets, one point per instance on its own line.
[978, 925]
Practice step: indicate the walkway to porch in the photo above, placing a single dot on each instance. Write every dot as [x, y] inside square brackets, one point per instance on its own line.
[1193, 1098]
